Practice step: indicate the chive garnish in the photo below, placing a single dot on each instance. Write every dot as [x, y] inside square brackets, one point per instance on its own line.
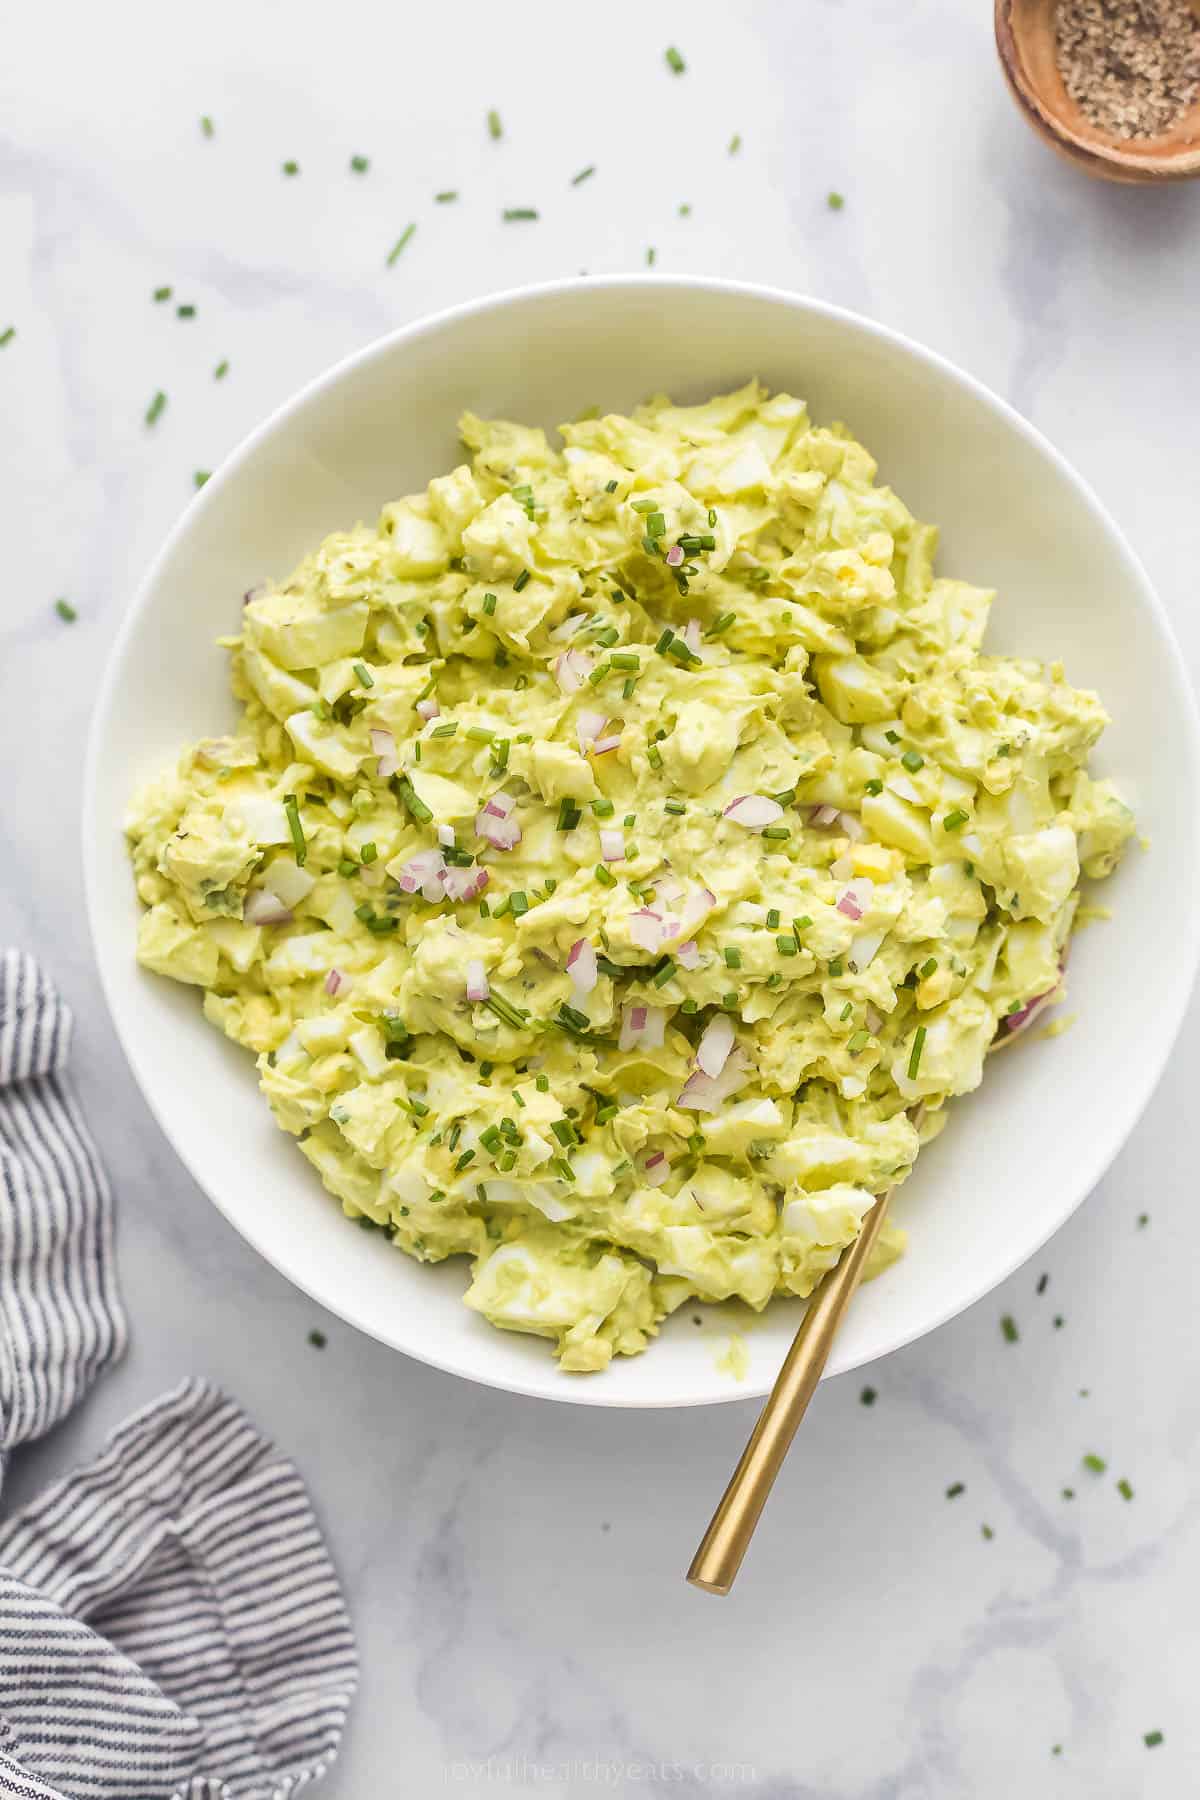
[720, 624]
[786, 946]
[913, 760]
[954, 821]
[291, 807]
[412, 801]
[914, 1060]
[663, 975]
[603, 876]
[874, 786]
[369, 853]
[674, 806]
[521, 581]
[927, 968]
[404, 238]
[365, 677]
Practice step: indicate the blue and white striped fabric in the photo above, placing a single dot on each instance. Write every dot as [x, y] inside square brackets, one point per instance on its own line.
[170, 1621]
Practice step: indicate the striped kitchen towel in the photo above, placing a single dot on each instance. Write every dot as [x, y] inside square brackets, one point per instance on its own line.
[170, 1620]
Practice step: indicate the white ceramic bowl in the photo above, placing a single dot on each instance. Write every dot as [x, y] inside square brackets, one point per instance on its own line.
[1019, 1155]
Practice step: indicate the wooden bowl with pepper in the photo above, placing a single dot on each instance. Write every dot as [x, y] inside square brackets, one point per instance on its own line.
[1112, 85]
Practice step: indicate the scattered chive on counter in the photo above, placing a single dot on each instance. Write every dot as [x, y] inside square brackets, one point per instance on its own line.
[156, 408]
[317, 1339]
[512, 214]
[1008, 1326]
[221, 371]
[66, 611]
[583, 175]
[404, 238]
[207, 126]
[360, 164]
[835, 201]
[291, 168]
[495, 128]
[200, 477]
[1152, 1739]
[674, 60]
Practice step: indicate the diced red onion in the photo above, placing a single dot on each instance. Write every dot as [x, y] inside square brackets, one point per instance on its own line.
[754, 811]
[656, 1169]
[642, 1026]
[873, 1020]
[335, 981]
[707, 1093]
[1014, 1022]
[675, 555]
[571, 670]
[588, 726]
[384, 746]
[262, 907]
[581, 966]
[464, 884]
[688, 956]
[428, 709]
[712, 1052]
[612, 845]
[497, 822]
[604, 745]
[477, 981]
[425, 870]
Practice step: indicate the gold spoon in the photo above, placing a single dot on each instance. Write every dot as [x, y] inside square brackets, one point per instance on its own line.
[717, 1561]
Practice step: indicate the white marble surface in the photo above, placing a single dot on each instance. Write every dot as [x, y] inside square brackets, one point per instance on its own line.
[515, 1568]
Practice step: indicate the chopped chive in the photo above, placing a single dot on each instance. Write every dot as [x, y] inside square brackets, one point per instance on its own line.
[675, 61]
[446, 730]
[468, 1156]
[874, 786]
[597, 675]
[206, 125]
[656, 524]
[729, 1001]
[346, 867]
[674, 806]
[360, 164]
[786, 946]
[569, 815]
[927, 968]
[512, 214]
[721, 624]
[733, 956]
[913, 760]
[893, 737]
[369, 853]
[291, 807]
[712, 517]
[610, 487]
[603, 876]
[365, 677]
[625, 659]
[221, 371]
[835, 201]
[1095, 1463]
[542, 1084]
[521, 581]
[66, 611]
[1008, 1326]
[773, 917]
[412, 801]
[603, 807]
[489, 604]
[858, 1041]
[583, 175]
[846, 1011]
[606, 1112]
[778, 832]
[663, 975]
[563, 1129]
[627, 688]
[518, 902]
[654, 756]
[480, 734]
[495, 129]
[404, 238]
[954, 821]
[156, 408]
[914, 1060]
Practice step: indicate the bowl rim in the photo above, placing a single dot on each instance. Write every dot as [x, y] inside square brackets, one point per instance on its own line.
[1104, 1148]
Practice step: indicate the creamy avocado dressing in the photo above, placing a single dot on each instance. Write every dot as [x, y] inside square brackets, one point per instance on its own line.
[617, 844]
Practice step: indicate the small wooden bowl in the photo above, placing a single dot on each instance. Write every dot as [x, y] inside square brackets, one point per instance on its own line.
[1025, 40]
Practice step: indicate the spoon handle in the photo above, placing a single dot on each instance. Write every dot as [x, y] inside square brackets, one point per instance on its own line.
[717, 1561]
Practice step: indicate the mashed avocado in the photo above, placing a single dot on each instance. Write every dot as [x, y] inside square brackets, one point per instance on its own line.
[620, 846]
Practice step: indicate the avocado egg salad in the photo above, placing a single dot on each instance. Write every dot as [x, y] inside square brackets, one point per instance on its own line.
[624, 852]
